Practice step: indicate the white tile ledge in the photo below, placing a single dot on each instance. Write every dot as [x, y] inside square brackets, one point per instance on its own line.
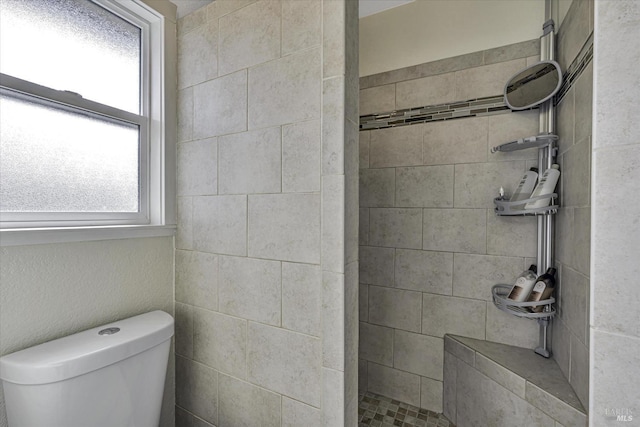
[39, 236]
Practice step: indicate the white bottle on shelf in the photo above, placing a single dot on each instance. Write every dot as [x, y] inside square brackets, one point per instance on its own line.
[546, 185]
[525, 187]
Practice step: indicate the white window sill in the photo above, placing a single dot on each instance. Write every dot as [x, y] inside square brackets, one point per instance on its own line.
[38, 236]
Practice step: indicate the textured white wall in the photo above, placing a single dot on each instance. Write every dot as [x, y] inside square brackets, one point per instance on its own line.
[50, 291]
[428, 30]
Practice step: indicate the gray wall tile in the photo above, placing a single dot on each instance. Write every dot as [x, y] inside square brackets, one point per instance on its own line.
[334, 126]
[271, 84]
[575, 296]
[613, 356]
[301, 25]
[364, 138]
[243, 404]
[377, 187]
[449, 387]
[220, 342]
[431, 394]
[295, 414]
[581, 242]
[482, 401]
[455, 230]
[333, 408]
[197, 279]
[459, 350]
[576, 175]
[376, 265]
[424, 271]
[333, 320]
[400, 146]
[501, 375]
[301, 157]
[584, 104]
[455, 141]
[285, 226]
[380, 99]
[510, 127]
[333, 223]
[220, 106]
[450, 315]
[616, 233]
[424, 186]
[251, 162]
[285, 362]
[474, 275]
[418, 354]
[555, 407]
[362, 376]
[431, 90]
[512, 51]
[220, 224]
[185, 114]
[197, 389]
[301, 297]
[198, 55]
[184, 229]
[579, 376]
[363, 305]
[476, 185]
[184, 330]
[376, 344]
[514, 236]
[197, 168]
[488, 80]
[560, 343]
[400, 228]
[507, 329]
[394, 383]
[249, 36]
[565, 113]
[251, 289]
[363, 226]
[395, 308]
[573, 32]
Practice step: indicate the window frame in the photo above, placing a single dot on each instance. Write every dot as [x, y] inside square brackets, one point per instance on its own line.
[157, 129]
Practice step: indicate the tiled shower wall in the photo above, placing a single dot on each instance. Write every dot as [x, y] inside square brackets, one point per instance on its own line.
[570, 332]
[431, 245]
[266, 251]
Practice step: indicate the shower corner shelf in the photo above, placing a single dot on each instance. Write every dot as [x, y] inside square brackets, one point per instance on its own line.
[516, 208]
[536, 141]
[521, 309]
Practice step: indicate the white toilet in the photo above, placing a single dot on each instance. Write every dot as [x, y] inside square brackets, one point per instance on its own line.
[110, 376]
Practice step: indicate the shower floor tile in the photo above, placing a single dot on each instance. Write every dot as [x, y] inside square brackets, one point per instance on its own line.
[380, 411]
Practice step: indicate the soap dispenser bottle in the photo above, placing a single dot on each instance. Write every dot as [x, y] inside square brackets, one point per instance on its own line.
[543, 288]
[523, 285]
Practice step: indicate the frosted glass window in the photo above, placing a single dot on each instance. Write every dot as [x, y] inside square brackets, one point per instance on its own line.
[53, 160]
[72, 45]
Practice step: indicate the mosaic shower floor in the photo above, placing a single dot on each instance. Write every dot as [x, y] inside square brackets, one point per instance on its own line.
[380, 411]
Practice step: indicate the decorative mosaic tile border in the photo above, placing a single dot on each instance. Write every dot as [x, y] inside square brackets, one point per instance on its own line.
[434, 113]
[473, 107]
[379, 411]
[574, 71]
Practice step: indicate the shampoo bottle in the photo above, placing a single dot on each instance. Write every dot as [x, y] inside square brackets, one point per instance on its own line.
[523, 285]
[525, 187]
[542, 290]
[546, 185]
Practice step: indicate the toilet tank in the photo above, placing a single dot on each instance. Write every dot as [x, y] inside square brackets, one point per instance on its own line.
[108, 376]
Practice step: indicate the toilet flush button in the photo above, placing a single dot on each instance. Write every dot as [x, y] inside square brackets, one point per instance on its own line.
[109, 331]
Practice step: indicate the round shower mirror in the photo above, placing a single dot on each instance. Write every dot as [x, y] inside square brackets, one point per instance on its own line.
[533, 85]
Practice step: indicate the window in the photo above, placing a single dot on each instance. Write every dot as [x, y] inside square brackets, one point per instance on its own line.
[83, 137]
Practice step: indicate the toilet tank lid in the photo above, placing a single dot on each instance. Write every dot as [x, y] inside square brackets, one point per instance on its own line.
[86, 351]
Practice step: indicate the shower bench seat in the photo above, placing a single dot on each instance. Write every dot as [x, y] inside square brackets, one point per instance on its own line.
[492, 384]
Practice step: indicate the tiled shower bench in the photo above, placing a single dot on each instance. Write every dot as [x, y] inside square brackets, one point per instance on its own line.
[491, 384]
